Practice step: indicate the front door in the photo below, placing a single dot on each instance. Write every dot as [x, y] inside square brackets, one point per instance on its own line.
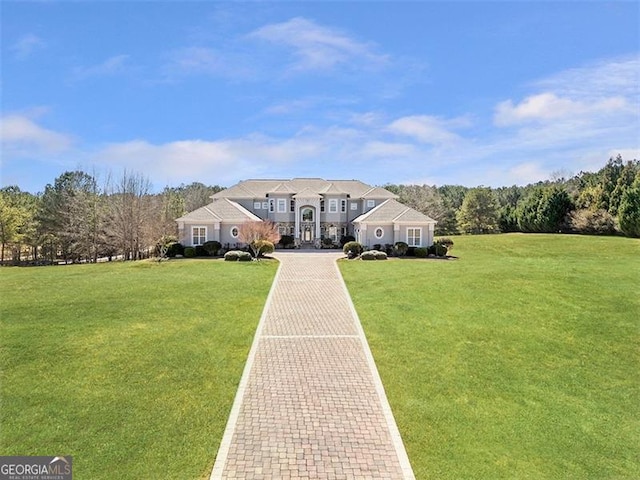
[307, 234]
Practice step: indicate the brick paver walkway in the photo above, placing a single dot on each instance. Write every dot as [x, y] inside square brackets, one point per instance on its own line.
[310, 403]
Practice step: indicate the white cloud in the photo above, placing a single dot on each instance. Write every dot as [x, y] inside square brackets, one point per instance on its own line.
[26, 45]
[425, 129]
[548, 106]
[188, 160]
[111, 66]
[317, 47]
[22, 136]
[611, 77]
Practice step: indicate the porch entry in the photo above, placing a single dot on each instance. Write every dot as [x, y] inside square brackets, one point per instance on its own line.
[308, 225]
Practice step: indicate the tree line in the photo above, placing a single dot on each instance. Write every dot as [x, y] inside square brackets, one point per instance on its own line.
[606, 202]
[78, 218]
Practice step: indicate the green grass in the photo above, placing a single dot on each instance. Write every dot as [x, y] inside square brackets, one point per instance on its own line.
[131, 368]
[519, 360]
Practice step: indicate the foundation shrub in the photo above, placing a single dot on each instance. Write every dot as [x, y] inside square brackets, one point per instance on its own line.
[421, 252]
[368, 255]
[400, 249]
[232, 256]
[174, 249]
[352, 249]
[380, 255]
[212, 247]
[244, 257]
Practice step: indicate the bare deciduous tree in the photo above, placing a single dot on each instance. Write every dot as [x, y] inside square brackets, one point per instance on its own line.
[252, 233]
[129, 214]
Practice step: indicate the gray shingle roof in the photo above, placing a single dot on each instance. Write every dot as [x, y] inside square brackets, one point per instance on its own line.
[221, 209]
[257, 188]
[392, 211]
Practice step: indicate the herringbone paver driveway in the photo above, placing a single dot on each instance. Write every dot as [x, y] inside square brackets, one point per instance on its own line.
[310, 403]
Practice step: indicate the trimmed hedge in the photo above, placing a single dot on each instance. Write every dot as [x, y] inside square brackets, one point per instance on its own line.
[421, 252]
[237, 256]
[352, 249]
[264, 247]
[174, 249]
[400, 249]
[189, 252]
[212, 247]
[373, 255]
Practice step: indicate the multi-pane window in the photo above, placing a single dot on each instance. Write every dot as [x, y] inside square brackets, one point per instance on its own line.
[354, 206]
[265, 205]
[371, 203]
[272, 205]
[292, 205]
[333, 205]
[282, 205]
[322, 205]
[414, 237]
[343, 206]
[379, 232]
[198, 235]
[257, 205]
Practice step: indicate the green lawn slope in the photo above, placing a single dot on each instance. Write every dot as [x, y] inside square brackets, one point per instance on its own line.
[129, 367]
[518, 360]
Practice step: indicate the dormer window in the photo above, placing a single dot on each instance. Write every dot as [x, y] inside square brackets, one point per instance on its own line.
[371, 203]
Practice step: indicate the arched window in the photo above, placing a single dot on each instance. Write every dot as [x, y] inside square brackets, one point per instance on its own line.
[307, 215]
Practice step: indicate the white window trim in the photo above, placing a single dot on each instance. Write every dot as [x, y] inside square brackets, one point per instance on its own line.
[231, 231]
[272, 205]
[265, 205]
[354, 206]
[333, 205]
[282, 205]
[413, 244]
[371, 203]
[375, 232]
[193, 242]
[343, 205]
[257, 205]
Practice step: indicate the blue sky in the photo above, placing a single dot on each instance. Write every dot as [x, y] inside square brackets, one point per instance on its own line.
[471, 93]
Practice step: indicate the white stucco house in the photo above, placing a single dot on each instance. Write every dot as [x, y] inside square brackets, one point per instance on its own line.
[310, 210]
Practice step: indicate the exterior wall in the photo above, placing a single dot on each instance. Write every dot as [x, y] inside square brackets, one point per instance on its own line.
[426, 237]
[225, 234]
[368, 235]
[185, 232]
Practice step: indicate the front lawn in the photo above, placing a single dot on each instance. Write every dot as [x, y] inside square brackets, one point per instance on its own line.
[520, 359]
[131, 368]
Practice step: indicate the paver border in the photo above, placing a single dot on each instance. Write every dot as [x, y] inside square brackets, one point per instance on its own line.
[227, 437]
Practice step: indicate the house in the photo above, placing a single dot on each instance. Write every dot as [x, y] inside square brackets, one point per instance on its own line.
[310, 210]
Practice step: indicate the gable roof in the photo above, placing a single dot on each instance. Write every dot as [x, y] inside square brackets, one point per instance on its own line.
[392, 211]
[378, 192]
[220, 210]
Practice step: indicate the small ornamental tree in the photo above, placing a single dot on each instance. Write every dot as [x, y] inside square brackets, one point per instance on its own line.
[252, 233]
